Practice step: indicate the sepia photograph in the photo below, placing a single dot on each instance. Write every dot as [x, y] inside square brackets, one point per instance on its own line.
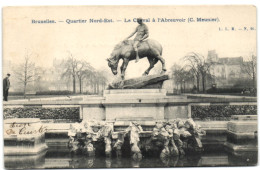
[129, 86]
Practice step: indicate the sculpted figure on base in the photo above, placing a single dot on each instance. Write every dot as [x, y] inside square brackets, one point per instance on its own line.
[128, 50]
[142, 33]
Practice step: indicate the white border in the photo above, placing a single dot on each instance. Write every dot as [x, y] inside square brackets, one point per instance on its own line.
[124, 2]
[4, 3]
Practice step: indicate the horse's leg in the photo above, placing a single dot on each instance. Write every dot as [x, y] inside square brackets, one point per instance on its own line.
[152, 62]
[159, 57]
[123, 68]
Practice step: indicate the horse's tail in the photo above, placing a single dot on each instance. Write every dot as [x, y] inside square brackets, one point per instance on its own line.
[160, 48]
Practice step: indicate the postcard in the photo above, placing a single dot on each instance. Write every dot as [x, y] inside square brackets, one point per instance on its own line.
[129, 86]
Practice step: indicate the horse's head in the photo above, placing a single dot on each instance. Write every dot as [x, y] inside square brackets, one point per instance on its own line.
[113, 65]
[114, 59]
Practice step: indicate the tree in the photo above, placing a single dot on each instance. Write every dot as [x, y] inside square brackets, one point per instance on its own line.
[25, 72]
[78, 69]
[101, 79]
[249, 67]
[83, 70]
[70, 70]
[97, 80]
[181, 75]
[193, 66]
[198, 65]
[176, 74]
[39, 83]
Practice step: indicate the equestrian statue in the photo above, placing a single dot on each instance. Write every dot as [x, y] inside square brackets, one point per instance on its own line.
[140, 47]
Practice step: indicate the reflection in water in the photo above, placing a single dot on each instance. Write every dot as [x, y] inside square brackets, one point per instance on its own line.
[170, 161]
[135, 164]
[25, 162]
[81, 162]
[108, 162]
[118, 163]
[59, 159]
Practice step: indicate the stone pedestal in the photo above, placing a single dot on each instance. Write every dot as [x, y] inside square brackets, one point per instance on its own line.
[24, 136]
[120, 94]
[134, 103]
[242, 134]
[144, 82]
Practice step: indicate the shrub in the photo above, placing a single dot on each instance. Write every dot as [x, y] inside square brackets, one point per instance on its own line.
[43, 113]
[15, 93]
[221, 112]
[54, 92]
[225, 90]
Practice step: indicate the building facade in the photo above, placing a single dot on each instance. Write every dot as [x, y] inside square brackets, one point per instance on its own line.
[225, 71]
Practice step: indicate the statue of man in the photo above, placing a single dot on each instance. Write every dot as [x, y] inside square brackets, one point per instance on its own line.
[141, 34]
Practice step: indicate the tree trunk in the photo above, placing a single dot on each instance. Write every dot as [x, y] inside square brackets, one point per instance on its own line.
[24, 91]
[203, 83]
[74, 84]
[198, 83]
[97, 87]
[254, 81]
[80, 85]
[205, 79]
[94, 87]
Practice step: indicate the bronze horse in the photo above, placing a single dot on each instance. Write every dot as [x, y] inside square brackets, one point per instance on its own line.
[125, 51]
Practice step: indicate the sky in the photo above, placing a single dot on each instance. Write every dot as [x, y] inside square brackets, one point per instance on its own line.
[95, 41]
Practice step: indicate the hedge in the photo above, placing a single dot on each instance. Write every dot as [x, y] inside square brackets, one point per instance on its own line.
[43, 113]
[225, 90]
[54, 92]
[15, 93]
[221, 112]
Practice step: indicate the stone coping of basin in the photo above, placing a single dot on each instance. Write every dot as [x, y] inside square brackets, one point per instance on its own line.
[54, 98]
[134, 91]
[22, 120]
[212, 125]
[244, 117]
[103, 100]
[116, 101]
[219, 96]
[242, 135]
[242, 126]
[40, 103]
[147, 101]
[143, 123]
[58, 126]
[206, 125]
[126, 94]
